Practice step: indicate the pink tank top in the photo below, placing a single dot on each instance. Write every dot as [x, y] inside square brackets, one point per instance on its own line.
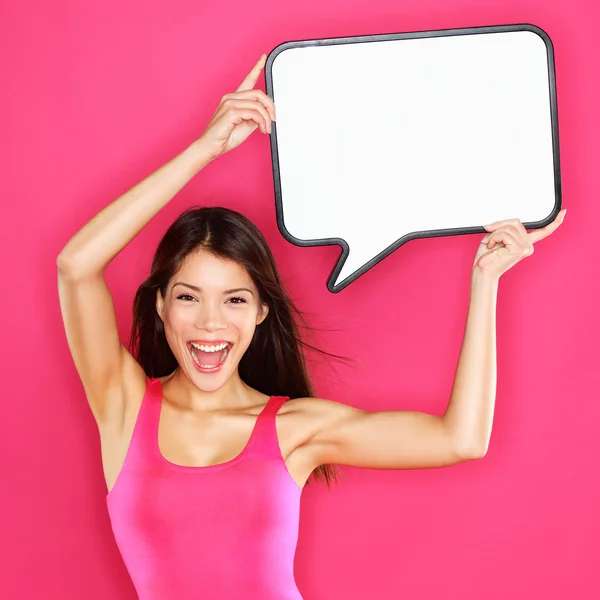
[226, 531]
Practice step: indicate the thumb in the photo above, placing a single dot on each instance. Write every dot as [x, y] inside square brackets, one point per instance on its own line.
[481, 248]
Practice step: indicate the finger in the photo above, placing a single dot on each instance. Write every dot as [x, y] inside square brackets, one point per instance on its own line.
[248, 114]
[513, 222]
[518, 238]
[251, 104]
[503, 236]
[252, 77]
[516, 228]
[539, 234]
[257, 95]
[516, 222]
[507, 227]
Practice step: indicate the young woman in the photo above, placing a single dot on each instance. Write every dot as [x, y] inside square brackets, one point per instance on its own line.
[209, 427]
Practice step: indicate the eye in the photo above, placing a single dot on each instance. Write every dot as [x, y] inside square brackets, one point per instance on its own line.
[236, 299]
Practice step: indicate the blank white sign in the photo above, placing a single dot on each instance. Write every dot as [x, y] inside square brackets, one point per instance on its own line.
[385, 138]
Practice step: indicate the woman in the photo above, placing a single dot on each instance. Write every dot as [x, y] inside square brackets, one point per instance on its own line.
[209, 428]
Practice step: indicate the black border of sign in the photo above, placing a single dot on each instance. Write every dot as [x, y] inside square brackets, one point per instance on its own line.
[421, 234]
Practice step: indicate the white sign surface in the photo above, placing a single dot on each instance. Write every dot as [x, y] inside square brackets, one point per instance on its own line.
[386, 138]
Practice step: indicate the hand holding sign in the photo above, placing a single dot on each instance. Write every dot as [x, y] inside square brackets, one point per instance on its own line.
[239, 114]
[508, 243]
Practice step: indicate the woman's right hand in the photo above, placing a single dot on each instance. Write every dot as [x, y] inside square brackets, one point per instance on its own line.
[238, 115]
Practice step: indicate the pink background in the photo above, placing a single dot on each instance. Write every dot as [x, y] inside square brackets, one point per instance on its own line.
[97, 96]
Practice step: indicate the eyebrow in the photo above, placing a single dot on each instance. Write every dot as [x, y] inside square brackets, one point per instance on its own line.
[198, 289]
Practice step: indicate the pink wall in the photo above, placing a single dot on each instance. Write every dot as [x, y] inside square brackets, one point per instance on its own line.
[97, 96]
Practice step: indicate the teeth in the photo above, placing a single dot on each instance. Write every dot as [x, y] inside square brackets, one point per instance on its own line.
[210, 366]
[209, 348]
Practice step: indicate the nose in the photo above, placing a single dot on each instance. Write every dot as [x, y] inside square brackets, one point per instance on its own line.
[211, 316]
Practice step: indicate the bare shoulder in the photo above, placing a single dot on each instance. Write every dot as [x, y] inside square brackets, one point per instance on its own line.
[311, 415]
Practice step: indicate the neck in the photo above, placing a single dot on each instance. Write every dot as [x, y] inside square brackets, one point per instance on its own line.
[233, 394]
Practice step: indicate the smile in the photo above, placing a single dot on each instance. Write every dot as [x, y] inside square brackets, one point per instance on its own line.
[209, 354]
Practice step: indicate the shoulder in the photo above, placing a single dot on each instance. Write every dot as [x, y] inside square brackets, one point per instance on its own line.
[314, 415]
[320, 407]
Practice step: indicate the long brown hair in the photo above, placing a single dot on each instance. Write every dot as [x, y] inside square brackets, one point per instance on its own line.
[274, 362]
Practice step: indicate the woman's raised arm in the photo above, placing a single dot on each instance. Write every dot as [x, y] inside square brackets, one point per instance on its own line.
[94, 246]
[103, 363]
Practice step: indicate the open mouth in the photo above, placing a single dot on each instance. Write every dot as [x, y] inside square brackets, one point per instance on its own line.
[208, 359]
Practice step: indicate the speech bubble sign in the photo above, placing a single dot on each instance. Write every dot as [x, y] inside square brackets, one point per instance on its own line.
[381, 139]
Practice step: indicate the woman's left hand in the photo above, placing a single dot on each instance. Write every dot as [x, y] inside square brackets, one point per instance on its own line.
[507, 243]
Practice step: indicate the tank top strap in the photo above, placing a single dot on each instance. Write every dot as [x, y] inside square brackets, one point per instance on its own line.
[140, 444]
[265, 441]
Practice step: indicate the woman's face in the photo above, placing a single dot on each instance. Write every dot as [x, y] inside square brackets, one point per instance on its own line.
[210, 301]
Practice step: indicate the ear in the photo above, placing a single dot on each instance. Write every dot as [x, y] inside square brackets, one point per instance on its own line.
[160, 305]
[262, 315]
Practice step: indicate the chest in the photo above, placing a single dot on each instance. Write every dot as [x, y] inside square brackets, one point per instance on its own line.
[184, 442]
